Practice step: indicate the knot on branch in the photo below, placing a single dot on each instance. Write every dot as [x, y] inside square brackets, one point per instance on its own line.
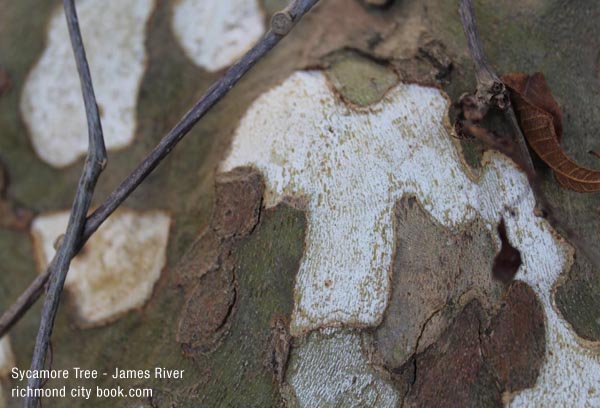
[282, 22]
[493, 94]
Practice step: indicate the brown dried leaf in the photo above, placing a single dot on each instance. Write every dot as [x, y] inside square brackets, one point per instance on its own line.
[540, 118]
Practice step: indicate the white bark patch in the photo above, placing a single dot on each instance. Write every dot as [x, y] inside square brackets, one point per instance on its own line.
[113, 32]
[7, 362]
[215, 33]
[118, 267]
[332, 371]
[352, 166]
[7, 359]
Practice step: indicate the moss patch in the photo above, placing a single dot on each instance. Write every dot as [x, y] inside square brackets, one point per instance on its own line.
[359, 79]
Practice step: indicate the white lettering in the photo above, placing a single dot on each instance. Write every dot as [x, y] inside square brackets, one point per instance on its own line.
[85, 374]
[160, 372]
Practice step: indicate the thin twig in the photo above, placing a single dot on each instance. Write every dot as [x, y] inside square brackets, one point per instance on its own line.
[491, 92]
[486, 77]
[94, 164]
[281, 24]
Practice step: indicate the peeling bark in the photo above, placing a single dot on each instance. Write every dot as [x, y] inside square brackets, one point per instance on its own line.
[464, 324]
[206, 315]
[478, 362]
[514, 344]
[452, 372]
[209, 269]
[435, 273]
[238, 200]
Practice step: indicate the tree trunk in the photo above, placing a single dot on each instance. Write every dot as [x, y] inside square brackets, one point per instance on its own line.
[320, 238]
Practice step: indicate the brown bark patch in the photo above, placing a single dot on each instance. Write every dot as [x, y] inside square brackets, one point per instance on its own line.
[238, 278]
[452, 372]
[205, 315]
[237, 205]
[469, 366]
[203, 256]
[247, 347]
[434, 52]
[206, 271]
[514, 344]
[279, 349]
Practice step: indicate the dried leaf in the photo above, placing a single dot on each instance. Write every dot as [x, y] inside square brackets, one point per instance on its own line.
[508, 260]
[540, 118]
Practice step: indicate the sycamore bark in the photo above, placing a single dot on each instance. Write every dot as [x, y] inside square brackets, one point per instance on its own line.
[364, 50]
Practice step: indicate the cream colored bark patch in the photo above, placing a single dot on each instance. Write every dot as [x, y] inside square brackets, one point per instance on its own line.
[118, 267]
[329, 369]
[7, 359]
[7, 362]
[352, 165]
[52, 104]
[215, 33]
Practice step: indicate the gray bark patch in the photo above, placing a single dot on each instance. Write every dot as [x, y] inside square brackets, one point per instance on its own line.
[440, 351]
[435, 272]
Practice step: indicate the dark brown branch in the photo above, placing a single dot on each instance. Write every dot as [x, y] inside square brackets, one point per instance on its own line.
[282, 23]
[94, 164]
[492, 93]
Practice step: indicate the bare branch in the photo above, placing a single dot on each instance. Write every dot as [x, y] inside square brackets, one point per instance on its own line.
[492, 93]
[281, 24]
[218, 90]
[94, 164]
[25, 300]
[484, 73]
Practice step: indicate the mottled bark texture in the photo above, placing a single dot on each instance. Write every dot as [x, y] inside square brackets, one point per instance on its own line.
[450, 333]
[211, 290]
[473, 362]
